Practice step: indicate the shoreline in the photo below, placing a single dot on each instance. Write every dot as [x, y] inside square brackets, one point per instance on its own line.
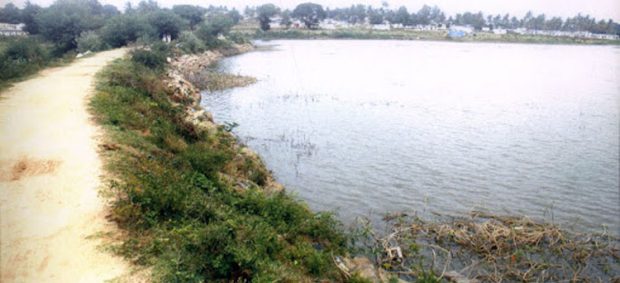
[469, 234]
[186, 70]
[178, 197]
[407, 35]
[193, 203]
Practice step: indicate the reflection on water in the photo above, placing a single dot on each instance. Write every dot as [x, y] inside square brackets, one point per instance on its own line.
[361, 126]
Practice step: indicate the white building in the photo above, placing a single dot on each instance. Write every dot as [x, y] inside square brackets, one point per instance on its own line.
[12, 29]
[381, 27]
[499, 31]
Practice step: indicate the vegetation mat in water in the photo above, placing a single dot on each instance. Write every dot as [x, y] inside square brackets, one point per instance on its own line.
[492, 249]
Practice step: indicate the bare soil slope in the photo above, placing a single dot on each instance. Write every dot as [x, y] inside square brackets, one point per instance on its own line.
[49, 179]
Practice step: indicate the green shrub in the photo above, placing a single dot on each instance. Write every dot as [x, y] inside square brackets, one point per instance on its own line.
[89, 41]
[238, 38]
[150, 59]
[22, 57]
[181, 217]
[190, 43]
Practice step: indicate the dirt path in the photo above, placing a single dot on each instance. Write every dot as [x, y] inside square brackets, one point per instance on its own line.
[49, 179]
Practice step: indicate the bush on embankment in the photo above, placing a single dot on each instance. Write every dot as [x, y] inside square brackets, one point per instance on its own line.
[23, 56]
[180, 215]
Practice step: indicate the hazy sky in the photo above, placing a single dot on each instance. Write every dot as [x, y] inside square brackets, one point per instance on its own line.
[597, 8]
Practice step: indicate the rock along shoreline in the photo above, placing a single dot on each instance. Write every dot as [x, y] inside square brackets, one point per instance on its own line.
[180, 79]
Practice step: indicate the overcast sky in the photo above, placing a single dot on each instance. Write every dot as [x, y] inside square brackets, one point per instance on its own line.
[598, 8]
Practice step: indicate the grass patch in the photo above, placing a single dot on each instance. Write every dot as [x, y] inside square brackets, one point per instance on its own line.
[174, 198]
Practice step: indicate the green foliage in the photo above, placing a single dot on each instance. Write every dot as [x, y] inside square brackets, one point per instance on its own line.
[166, 22]
[265, 12]
[29, 14]
[238, 38]
[356, 278]
[89, 40]
[310, 14]
[21, 57]
[182, 217]
[190, 43]
[150, 59]
[10, 14]
[235, 16]
[109, 11]
[216, 24]
[64, 21]
[123, 29]
[192, 14]
[427, 277]
[286, 19]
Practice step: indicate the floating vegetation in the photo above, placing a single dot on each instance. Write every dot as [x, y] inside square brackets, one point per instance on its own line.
[491, 248]
[215, 81]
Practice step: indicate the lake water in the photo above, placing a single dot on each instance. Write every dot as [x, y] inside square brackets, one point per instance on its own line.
[365, 127]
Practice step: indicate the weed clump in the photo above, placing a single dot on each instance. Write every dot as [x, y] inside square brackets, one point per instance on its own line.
[492, 248]
[174, 197]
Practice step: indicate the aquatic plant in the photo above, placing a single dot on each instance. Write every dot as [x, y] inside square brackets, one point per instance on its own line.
[491, 248]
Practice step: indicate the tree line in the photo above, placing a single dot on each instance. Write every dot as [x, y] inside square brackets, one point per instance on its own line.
[82, 15]
[311, 14]
[69, 26]
[65, 21]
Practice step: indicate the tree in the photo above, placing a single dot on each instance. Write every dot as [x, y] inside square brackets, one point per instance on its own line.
[374, 16]
[249, 12]
[265, 12]
[10, 14]
[145, 7]
[437, 16]
[29, 14]
[310, 14]
[165, 22]
[89, 41]
[65, 20]
[213, 26]
[235, 16]
[123, 29]
[401, 16]
[193, 14]
[286, 19]
[424, 15]
[109, 11]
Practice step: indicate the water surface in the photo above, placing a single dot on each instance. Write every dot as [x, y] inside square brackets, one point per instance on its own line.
[380, 126]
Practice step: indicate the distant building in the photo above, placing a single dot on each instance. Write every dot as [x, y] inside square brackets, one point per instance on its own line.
[12, 29]
[381, 27]
[331, 24]
[499, 31]
[297, 24]
[558, 33]
[275, 22]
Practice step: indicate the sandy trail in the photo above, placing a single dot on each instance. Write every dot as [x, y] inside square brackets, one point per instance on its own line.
[49, 179]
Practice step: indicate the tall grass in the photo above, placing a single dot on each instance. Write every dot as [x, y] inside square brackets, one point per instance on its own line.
[181, 215]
